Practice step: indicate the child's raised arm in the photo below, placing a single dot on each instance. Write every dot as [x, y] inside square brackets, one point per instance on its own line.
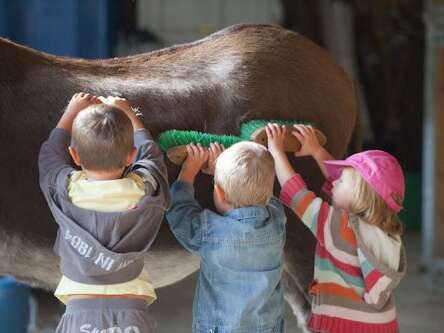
[54, 155]
[310, 146]
[312, 210]
[184, 215]
[276, 135]
[149, 161]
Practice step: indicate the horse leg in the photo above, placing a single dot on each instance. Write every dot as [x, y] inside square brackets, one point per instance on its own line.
[297, 301]
[298, 269]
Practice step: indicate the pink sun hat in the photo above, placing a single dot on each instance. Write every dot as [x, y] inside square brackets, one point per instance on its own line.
[379, 169]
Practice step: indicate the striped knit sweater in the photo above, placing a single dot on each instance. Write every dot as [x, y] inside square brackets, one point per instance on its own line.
[351, 292]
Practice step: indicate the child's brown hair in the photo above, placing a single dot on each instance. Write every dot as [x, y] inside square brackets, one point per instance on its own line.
[103, 138]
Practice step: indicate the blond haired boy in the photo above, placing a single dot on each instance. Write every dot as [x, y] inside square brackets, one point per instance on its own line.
[240, 245]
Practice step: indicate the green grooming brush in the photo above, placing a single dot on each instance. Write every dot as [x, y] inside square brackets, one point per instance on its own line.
[174, 142]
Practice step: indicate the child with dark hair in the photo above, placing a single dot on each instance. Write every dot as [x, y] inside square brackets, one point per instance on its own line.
[108, 213]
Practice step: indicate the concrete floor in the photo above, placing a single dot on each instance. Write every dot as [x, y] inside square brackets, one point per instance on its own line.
[420, 310]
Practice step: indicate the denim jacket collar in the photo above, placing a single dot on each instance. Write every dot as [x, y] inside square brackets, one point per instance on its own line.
[249, 212]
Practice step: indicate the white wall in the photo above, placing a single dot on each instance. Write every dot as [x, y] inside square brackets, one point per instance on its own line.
[178, 21]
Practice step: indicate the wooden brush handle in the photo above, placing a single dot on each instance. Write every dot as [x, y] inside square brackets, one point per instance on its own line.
[178, 155]
[291, 143]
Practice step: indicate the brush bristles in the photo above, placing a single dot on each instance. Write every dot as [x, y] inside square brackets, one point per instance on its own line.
[248, 128]
[173, 138]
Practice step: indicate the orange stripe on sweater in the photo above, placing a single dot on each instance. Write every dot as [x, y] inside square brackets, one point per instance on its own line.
[335, 290]
[304, 203]
[346, 232]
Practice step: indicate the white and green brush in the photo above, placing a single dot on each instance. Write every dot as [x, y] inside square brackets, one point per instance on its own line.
[174, 142]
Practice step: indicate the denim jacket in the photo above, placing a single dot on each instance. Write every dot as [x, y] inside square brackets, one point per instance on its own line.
[239, 287]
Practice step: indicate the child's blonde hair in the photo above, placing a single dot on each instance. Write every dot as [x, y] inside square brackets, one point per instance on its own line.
[245, 172]
[370, 207]
[103, 137]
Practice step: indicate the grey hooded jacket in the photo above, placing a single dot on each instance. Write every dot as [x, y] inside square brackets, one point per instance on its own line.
[103, 247]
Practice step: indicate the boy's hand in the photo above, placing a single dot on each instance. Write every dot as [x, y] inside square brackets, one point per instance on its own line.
[124, 105]
[78, 102]
[213, 153]
[81, 101]
[275, 135]
[197, 157]
[309, 142]
[118, 102]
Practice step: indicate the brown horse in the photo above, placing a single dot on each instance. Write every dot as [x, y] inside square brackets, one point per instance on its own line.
[240, 73]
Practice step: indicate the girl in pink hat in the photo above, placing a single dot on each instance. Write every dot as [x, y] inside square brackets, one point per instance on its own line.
[359, 257]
